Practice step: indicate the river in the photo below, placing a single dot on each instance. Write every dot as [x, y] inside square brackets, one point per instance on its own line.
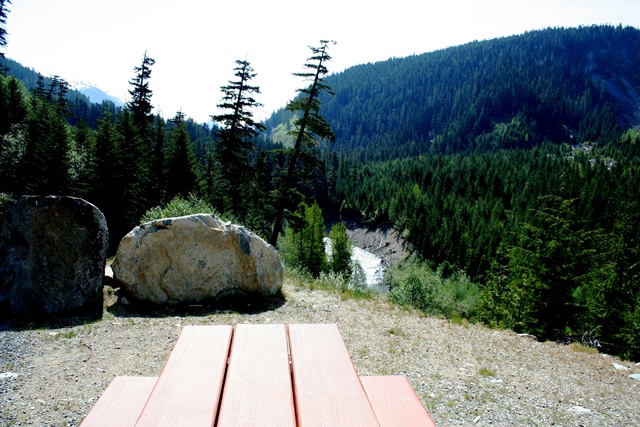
[371, 263]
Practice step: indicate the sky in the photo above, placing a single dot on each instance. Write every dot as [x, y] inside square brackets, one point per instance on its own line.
[195, 43]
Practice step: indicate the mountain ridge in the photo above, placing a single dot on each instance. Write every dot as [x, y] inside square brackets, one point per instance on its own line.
[95, 94]
[545, 85]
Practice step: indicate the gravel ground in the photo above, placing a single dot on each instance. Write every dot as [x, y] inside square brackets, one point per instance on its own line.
[465, 374]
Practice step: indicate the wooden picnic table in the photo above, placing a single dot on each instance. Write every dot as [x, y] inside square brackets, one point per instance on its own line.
[259, 375]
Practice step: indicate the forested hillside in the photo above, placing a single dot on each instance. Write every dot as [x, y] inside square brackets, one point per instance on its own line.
[557, 85]
[510, 163]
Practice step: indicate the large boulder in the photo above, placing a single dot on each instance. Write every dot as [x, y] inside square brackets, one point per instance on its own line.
[53, 252]
[195, 258]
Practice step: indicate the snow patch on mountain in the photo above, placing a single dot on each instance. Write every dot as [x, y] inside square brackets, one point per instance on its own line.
[94, 93]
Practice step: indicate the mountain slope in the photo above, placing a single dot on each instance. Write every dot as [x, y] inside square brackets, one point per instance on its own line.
[86, 105]
[95, 94]
[550, 85]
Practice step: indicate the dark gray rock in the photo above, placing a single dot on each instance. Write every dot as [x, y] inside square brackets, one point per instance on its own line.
[53, 252]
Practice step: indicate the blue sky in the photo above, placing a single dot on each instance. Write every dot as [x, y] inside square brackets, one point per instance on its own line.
[196, 42]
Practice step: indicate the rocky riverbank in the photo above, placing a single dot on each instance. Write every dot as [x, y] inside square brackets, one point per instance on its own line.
[381, 240]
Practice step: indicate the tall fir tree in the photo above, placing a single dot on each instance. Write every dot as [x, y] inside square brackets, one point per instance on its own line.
[4, 11]
[140, 104]
[107, 185]
[234, 143]
[158, 190]
[182, 166]
[46, 160]
[309, 129]
[341, 250]
[303, 244]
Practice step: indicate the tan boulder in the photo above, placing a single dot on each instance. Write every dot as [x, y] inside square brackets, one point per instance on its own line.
[195, 258]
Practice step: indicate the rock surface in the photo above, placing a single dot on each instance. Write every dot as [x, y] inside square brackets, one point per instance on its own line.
[52, 256]
[195, 258]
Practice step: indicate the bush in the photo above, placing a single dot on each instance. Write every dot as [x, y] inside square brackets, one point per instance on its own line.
[414, 284]
[305, 248]
[179, 206]
[340, 250]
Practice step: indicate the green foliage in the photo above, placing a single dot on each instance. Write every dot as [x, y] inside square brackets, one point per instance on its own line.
[513, 92]
[561, 280]
[178, 206]
[305, 247]
[4, 10]
[340, 250]
[413, 283]
[550, 262]
[140, 104]
[486, 372]
[358, 279]
[182, 169]
[234, 144]
[308, 129]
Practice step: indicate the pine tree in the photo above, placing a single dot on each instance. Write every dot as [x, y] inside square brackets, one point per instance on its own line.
[213, 186]
[134, 169]
[340, 250]
[158, 190]
[47, 160]
[3, 31]
[107, 186]
[315, 256]
[182, 165]
[308, 128]
[140, 104]
[234, 138]
[303, 244]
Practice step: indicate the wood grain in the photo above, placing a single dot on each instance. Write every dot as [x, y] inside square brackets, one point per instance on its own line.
[121, 403]
[327, 388]
[395, 402]
[188, 390]
[257, 390]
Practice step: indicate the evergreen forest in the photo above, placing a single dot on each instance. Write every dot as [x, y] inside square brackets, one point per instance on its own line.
[512, 164]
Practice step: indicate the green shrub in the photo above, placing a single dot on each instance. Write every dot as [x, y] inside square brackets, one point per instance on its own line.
[413, 283]
[304, 247]
[340, 250]
[358, 279]
[179, 206]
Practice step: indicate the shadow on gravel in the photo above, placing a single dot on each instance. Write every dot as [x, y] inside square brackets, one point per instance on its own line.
[243, 304]
[50, 323]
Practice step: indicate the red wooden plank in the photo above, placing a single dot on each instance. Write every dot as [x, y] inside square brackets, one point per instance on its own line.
[257, 389]
[121, 403]
[327, 389]
[188, 390]
[395, 402]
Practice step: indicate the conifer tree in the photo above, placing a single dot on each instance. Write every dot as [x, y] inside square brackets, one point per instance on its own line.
[3, 31]
[304, 241]
[182, 165]
[134, 170]
[308, 129]
[238, 128]
[157, 167]
[107, 185]
[215, 191]
[340, 250]
[46, 160]
[140, 104]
